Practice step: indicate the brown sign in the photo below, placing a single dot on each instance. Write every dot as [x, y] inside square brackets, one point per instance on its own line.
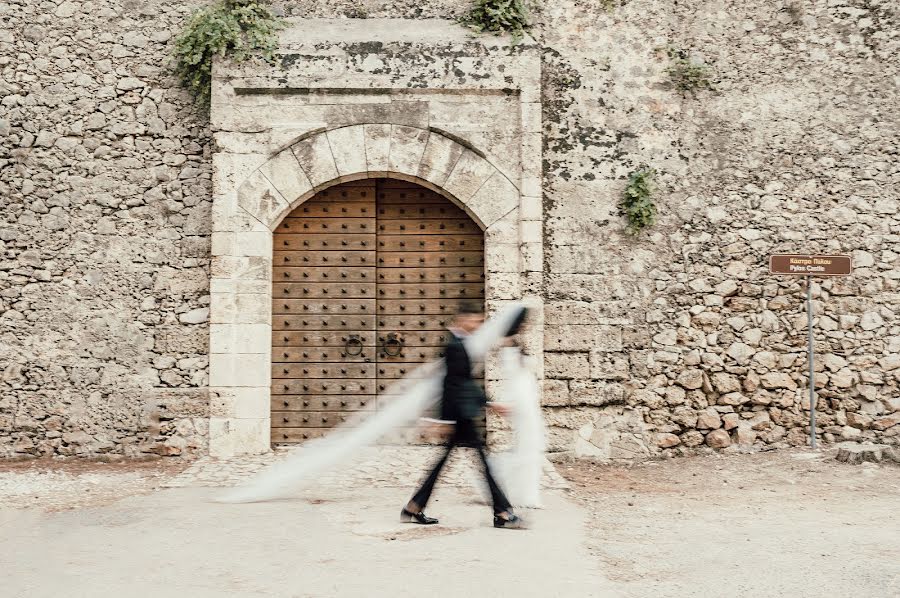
[811, 265]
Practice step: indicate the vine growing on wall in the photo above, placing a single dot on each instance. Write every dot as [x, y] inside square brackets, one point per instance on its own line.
[686, 75]
[637, 200]
[238, 29]
[499, 16]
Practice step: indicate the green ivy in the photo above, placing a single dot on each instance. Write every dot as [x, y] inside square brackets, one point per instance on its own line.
[637, 201]
[238, 29]
[499, 16]
[688, 76]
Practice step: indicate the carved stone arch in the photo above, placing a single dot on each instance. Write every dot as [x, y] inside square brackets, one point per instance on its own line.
[430, 158]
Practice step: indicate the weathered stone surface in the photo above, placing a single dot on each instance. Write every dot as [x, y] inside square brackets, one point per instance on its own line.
[718, 439]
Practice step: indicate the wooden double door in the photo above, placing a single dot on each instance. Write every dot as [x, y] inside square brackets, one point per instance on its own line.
[366, 277]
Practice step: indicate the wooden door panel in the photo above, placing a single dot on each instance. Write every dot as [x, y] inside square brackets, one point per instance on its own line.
[439, 274]
[349, 324]
[412, 324]
[313, 340]
[323, 403]
[305, 259]
[314, 225]
[323, 387]
[323, 354]
[430, 242]
[335, 371]
[420, 212]
[429, 259]
[428, 227]
[449, 290]
[323, 290]
[326, 274]
[335, 242]
[348, 208]
[343, 307]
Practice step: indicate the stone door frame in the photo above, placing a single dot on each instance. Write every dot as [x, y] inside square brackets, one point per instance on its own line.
[246, 213]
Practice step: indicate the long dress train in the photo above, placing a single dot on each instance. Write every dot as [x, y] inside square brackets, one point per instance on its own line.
[411, 397]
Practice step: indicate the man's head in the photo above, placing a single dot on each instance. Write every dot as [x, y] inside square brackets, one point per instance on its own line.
[469, 317]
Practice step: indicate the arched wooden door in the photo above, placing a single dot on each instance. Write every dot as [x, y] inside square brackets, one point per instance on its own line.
[366, 277]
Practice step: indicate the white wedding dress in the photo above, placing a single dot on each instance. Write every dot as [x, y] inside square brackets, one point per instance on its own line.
[519, 470]
[413, 397]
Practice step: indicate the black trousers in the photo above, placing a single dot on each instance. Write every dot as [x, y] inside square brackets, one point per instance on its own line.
[465, 433]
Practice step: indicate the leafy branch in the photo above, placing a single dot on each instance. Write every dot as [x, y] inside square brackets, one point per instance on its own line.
[637, 200]
[238, 29]
[499, 16]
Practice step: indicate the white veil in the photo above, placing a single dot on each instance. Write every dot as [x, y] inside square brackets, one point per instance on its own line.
[414, 395]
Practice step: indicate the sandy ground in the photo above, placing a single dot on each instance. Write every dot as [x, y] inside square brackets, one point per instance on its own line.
[792, 524]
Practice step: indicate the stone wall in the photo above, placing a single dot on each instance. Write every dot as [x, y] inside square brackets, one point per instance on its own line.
[104, 235]
[669, 341]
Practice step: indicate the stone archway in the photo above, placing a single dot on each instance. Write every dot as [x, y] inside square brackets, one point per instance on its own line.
[246, 214]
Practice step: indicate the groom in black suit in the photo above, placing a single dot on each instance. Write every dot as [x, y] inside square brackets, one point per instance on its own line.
[462, 405]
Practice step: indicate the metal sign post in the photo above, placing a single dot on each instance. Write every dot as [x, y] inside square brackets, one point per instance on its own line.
[811, 357]
[809, 266]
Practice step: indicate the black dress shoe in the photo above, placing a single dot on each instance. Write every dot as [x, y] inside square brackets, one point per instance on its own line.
[511, 522]
[420, 518]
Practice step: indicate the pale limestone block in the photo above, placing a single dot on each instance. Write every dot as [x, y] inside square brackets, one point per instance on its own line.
[260, 199]
[531, 117]
[315, 158]
[532, 164]
[378, 149]
[240, 403]
[284, 173]
[495, 199]
[239, 369]
[224, 210]
[242, 267]
[407, 147]
[253, 244]
[501, 257]
[468, 175]
[231, 170]
[240, 338]
[235, 308]
[439, 158]
[502, 285]
[531, 208]
[532, 231]
[222, 243]
[229, 437]
[533, 257]
[348, 145]
[503, 230]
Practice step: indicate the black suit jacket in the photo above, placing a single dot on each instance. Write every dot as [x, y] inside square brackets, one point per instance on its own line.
[462, 397]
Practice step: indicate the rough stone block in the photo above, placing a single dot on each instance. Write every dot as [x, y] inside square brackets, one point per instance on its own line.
[469, 173]
[259, 198]
[240, 403]
[407, 148]
[565, 366]
[348, 146]
[378, 149]
[439, 158]
[315, 158]
[285, 174]
[571, 337]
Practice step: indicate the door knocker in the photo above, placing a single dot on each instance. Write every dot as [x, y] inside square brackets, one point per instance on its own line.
[356, 343]
[389, 342]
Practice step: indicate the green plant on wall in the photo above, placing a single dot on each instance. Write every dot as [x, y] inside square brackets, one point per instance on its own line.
[637, 201]
[499, 16]
[238, 29]
[686, 75]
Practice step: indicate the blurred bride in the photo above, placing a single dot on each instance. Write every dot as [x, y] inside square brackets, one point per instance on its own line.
[519, 470]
